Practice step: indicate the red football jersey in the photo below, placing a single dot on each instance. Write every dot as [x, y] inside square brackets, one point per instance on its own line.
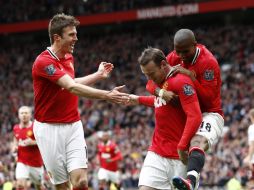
[53, 104]
[28, 155]
[109, 151]
[207, 72]
[174, 125]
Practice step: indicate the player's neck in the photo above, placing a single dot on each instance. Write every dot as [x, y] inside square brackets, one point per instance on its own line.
[57, 51]
[169, 72]
[25, 124]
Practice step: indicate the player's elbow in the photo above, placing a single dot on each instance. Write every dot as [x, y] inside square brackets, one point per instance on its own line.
[71, 88]
[67, 83]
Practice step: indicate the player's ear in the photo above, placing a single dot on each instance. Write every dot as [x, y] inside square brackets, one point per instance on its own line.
[164, 64]
[56, 37]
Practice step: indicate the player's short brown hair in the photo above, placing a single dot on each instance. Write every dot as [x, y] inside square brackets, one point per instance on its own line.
[58, 23]
[151, 54]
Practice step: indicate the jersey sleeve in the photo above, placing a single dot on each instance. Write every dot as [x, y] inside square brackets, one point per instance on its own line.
[189, 101]
[146, 100]
[15, 127]
[117, 154]
[207, 86]
[48, 68]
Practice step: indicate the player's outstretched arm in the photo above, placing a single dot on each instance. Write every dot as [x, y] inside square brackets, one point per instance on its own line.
[114, 95]
[14, 145]
[103, 72]
[132, 101]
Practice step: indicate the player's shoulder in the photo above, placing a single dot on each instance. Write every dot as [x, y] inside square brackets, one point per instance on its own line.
[16, 127]
[180, 78]
[173, 58]
[31, 125]
[178, 81]
[44, 58]
[100, 144]
[112, 144]
[206, 56]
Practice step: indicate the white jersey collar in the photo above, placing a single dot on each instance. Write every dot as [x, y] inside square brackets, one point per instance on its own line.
[195, 56]
[49, 49]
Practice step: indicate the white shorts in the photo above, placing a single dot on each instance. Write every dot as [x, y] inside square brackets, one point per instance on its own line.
[211, 127]
[63, 148]
[157, 171]
[107, 175]
[35, 174]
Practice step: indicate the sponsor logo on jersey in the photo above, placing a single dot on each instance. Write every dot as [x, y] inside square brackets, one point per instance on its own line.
[209, 75]
[158, 102]
[188, 90]
[50, 69]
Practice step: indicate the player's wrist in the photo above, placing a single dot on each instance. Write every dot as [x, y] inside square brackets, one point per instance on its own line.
[99, 75]
[191, 75]
[161, 93]
[157, 91]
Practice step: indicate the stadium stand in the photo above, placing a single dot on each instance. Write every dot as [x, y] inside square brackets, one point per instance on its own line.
[44, 9]
[232, 43]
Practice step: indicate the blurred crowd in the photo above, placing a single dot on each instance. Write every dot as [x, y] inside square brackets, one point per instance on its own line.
[43, 9]
[132, 127]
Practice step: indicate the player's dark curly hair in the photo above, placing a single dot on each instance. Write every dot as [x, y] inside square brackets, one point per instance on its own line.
[58, 23]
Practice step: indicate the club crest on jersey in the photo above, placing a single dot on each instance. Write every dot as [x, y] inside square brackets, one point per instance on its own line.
[29, 133]
[188, 90]
[209, 75]
[50, 69]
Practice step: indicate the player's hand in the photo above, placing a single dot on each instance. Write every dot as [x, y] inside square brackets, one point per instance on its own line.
[151, 87]
[171, 97]
[133, 100]
[116, 96]
[179, 69]
[105, 69]
[28, 142]
[183, 155]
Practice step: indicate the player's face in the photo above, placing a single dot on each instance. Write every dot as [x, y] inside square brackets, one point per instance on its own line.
[186, 51]
[24, 115]
[68, 39]
[105, 137]
[154, 72]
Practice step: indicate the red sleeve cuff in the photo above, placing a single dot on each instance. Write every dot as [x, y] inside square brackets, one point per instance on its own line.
[146, 100]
